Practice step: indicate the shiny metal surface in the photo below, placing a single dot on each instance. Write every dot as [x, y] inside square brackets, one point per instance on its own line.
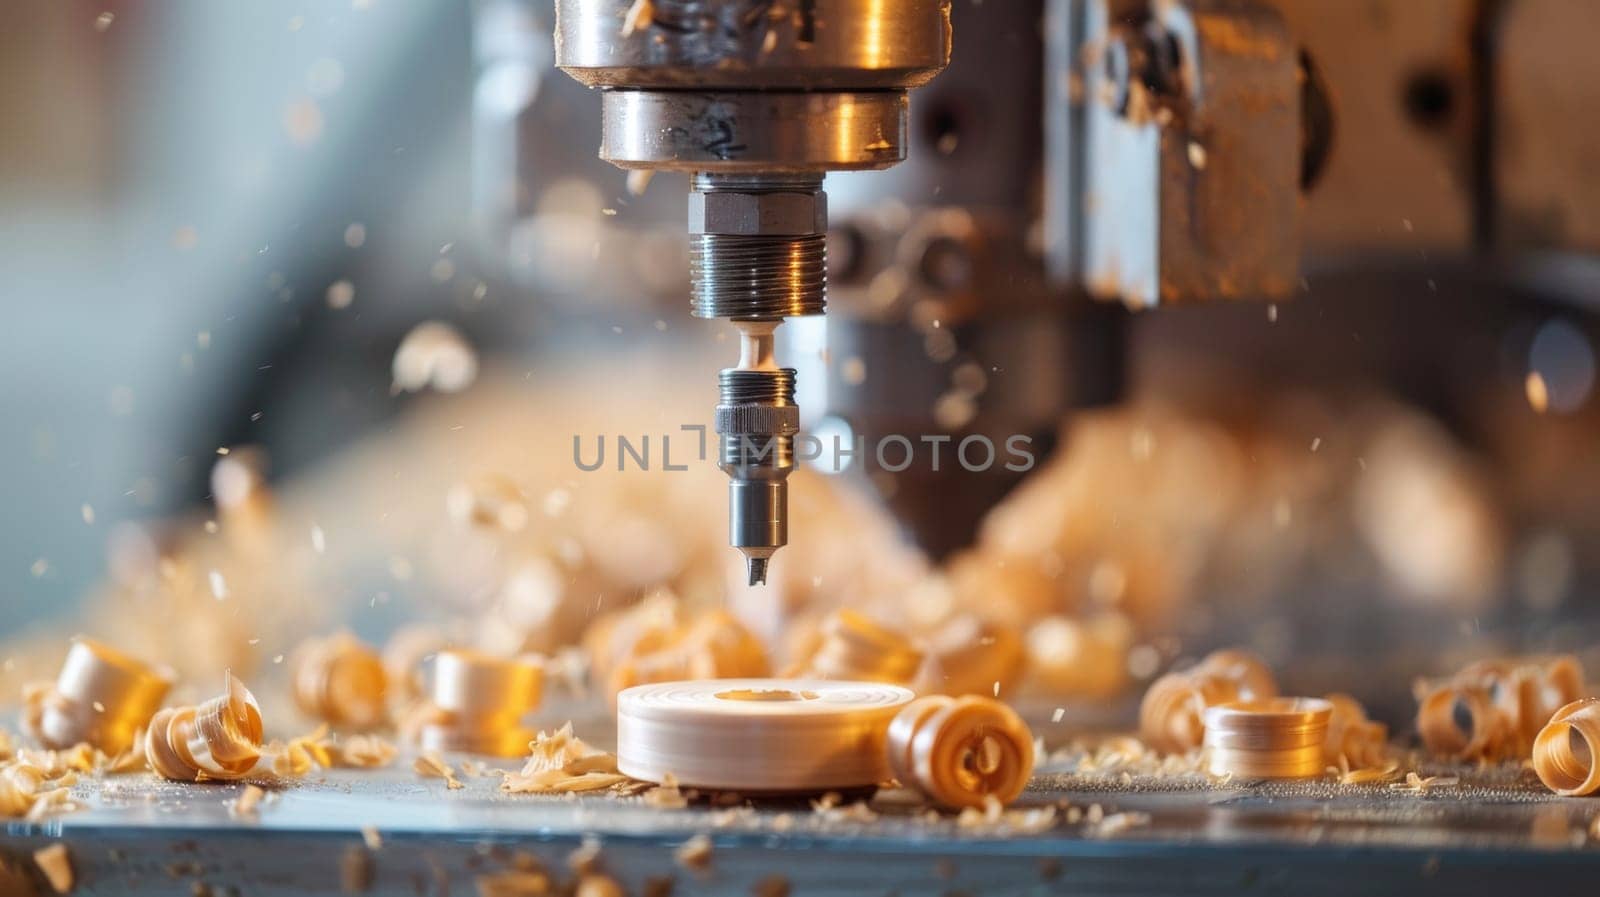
[757, 420]
[742, 45]
[758, 278]
[1191, 184]
[756, 131]
[758, 246]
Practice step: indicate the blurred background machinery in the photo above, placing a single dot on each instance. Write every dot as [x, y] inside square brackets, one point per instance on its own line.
[1370, 162]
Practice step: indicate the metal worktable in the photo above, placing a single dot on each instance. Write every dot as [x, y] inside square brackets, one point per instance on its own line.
[1495, 831]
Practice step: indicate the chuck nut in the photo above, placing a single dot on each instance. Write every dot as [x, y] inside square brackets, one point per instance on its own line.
[778, 214]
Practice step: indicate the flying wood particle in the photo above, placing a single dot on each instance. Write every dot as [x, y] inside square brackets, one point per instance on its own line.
[513, 883]
[598, 886]
[369, 835]
[694, 853]
[56, 864]
[667, 796]
[1538, 392]
[771, 886]
[247, 802]
[356, 870]
[640, 16]
[826, 802]
[585, 860]
[638, 183]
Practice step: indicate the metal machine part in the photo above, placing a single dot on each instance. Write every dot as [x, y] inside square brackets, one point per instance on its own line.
[757, 100]
[1178, 150]
[945, 322]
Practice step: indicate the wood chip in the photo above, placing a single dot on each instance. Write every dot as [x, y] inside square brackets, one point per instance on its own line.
[47, 802]
[771, 886]
[1117, 823]
[432, 766]
[640, 16]
[56, 864]
[366, 752]
[247, 802]
[559, 762]
[356, 870]
[514, 883]
[1366, 776]
[1416, 784]
[598, 886]
[639, 181]
[585, 860]
[695, 853]
[974, 817]
[369, 834]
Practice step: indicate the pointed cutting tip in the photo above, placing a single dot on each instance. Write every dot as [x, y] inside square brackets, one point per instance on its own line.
[758, 570]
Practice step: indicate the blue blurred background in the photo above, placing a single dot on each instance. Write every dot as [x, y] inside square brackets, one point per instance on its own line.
[180, 185]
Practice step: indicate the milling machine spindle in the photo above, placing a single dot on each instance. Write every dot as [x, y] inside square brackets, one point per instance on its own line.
[756, 100]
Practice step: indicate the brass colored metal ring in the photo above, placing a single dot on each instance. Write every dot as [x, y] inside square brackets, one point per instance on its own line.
[1270, 738]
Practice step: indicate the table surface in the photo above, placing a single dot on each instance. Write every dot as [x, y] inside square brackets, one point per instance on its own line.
[1494, 830]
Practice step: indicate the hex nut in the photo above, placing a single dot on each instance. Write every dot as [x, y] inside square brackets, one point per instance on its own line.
[758, 214]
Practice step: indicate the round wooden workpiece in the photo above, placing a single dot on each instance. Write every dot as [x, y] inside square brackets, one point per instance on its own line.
[1272, 738]
[102, 696]
[758, 735]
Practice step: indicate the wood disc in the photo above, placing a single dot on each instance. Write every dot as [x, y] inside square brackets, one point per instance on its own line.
[758, 735]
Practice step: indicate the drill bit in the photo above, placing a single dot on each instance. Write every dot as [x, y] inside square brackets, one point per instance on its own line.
[756, 420]
[757, 568]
